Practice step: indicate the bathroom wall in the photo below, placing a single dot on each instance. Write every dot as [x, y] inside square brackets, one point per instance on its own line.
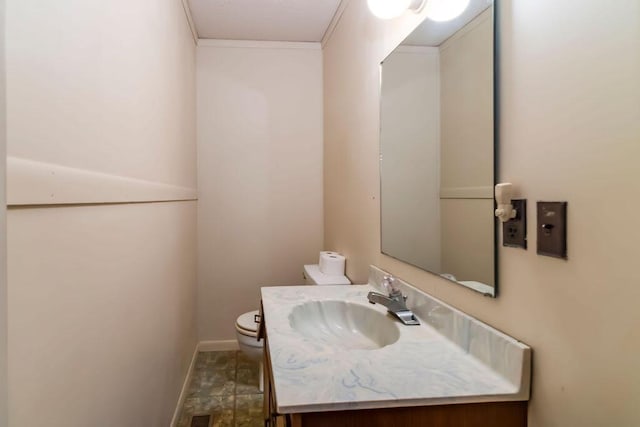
[259, 174]
[570, 126]
[112, 87]
[102, 321]
[3, 231]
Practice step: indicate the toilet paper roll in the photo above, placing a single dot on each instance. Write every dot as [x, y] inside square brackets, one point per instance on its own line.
[322, 253]
[326, 253]
[332, 263]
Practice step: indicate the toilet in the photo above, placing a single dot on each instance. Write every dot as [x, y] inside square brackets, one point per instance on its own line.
[247, 323]
[313, 276]
[246, 335]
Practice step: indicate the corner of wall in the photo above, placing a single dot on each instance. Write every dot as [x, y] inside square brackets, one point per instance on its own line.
[190, 22]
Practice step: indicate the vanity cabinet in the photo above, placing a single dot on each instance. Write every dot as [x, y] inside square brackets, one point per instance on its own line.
[498, 414]
[331, 359]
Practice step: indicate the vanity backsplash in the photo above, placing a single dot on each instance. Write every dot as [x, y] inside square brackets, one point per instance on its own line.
[498, 351]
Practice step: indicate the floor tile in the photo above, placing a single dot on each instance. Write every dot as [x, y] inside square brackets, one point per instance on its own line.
[249, 410]
[244, 362]
[218, 360]
[248, 381]
[225, 385]
[213, 383]
[221, 407]
[208, 404]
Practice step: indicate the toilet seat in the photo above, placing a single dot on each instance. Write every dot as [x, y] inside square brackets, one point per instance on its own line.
[246, 324]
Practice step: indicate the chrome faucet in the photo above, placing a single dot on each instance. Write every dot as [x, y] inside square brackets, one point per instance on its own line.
[395, 302]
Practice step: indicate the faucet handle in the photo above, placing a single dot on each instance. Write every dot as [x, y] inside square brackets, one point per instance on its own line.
[387, 283]
[387, 280]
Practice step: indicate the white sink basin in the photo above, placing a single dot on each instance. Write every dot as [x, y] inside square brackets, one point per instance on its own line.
[344, 325]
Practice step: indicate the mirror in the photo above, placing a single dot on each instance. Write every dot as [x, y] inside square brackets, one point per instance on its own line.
[437, 149]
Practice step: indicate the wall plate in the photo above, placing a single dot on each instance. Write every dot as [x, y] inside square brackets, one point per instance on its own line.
[514, 231]
[552, 229]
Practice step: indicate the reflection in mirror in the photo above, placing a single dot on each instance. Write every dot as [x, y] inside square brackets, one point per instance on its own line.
[437, 149]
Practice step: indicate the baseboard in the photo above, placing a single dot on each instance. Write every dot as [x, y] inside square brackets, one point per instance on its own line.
[223, 345]
[185, 387]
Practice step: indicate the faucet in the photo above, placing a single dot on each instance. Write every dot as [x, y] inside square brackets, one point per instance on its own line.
[395, 302]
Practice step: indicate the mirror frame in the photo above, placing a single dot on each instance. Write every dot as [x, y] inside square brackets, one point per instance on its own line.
[496, 149]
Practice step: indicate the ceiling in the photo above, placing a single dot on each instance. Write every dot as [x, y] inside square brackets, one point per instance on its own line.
[269, 20]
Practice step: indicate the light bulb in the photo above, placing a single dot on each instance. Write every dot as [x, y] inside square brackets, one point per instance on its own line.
[388, 9]
[445, 10]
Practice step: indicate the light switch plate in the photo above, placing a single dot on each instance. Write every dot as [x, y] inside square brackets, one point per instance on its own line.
[552, 229]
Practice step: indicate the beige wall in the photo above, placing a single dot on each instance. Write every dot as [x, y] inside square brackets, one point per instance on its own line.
[259, 174]
[94, 85]
[570, 128]
[101, 313]
[101, 297]
[3, 228]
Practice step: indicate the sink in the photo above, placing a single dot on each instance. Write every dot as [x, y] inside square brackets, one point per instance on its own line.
[346, 325]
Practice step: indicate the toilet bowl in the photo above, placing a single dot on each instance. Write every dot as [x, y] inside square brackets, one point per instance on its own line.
[247, 323]
[247, 333]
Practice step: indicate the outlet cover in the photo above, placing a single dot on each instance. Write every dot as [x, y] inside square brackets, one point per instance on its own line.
[514, 231]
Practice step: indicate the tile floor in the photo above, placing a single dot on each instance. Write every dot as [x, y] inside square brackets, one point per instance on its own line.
[224, 384]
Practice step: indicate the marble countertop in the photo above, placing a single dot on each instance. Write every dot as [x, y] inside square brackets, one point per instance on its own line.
[423, 367]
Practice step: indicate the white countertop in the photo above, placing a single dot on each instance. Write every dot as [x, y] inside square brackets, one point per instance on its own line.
[422, 368]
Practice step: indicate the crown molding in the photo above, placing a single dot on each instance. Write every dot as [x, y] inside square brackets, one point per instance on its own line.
[189, 16]
[258, 44]
[334, 22]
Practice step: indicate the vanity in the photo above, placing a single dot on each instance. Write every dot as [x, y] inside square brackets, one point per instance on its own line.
[333, 359]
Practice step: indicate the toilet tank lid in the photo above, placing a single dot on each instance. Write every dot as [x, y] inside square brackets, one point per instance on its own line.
[312, 271]
[247, 321]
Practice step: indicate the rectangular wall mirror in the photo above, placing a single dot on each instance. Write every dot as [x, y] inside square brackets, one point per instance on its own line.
[437, 149]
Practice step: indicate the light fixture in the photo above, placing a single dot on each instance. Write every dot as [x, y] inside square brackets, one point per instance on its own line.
[436, 10]
[445, 10]
[388, 9]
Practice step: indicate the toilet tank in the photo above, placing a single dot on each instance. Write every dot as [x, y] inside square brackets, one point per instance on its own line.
[313, 276]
